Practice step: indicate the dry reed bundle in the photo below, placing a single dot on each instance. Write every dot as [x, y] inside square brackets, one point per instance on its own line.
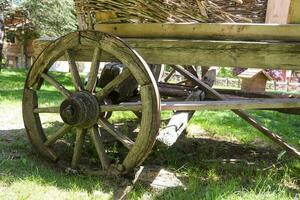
[147, 11]
[252, 9]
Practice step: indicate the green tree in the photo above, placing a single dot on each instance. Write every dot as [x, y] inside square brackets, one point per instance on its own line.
[52, 18]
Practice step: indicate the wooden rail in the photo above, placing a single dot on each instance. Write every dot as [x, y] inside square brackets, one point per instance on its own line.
[210, 105]
[219, 31]
[282, 55]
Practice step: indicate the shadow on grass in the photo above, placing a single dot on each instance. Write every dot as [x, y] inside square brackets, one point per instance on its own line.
[18, 162]
[226, 123]
[208, 167]
[216, 169]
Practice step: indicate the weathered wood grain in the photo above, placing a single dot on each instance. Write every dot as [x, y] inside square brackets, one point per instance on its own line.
[277, 55]
[89, 45]
[33, 125]
[57, 135]
[294, 13]
[150, 123]
[179, 121]
[247, 117]
[97, 141]
[219, 31]
[232, 104]
[80, 136]
[127, 142]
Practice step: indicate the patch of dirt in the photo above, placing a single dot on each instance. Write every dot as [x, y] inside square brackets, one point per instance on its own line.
[11, 117]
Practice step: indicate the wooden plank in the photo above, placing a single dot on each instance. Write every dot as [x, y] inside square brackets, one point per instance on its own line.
[219, 53]
[294, 13]
[277, 12]
[207, 53]
[232, 104]
[211, 105]
[226, 31]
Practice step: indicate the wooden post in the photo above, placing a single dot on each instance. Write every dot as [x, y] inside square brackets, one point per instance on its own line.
[227, 82]
[283, 12]
[277, 11]
[294, 12]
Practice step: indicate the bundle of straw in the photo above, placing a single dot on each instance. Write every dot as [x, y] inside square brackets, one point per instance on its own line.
[149, 11]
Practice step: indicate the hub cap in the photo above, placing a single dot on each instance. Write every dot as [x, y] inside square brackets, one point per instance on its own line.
[80, 110]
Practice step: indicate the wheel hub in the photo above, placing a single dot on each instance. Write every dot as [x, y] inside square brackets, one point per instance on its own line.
[81, 110]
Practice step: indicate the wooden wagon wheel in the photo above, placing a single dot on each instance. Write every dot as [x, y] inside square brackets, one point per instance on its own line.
[82, 109]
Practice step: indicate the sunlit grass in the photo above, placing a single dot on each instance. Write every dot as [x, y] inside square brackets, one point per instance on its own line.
[259, 172]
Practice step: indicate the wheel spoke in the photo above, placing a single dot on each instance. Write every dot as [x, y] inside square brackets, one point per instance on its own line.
[92, 80]
[122, 107]
[59, 134]
[126, 141]
[80, 135]
[113, 84]
[66, 93]
[74, 71]
[96, 139]
[170, 75]
[47, 110]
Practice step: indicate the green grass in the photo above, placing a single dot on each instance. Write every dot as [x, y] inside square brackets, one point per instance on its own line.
[198, 159]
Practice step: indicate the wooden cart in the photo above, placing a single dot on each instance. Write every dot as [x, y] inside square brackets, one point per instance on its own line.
[88, 107]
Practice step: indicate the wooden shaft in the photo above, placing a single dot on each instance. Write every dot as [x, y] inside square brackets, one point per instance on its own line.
[210, 105]
[97, 140]
[94, 70]
[231, 104]
[169, 75]
[121, 107]
[240, 113]
[47, 110]
[113, 84]
[58, 134]
[74, 70]
[127, 142]
[80, 135]
[66, 93]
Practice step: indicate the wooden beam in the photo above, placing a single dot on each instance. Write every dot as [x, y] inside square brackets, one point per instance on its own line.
[227, 31]
[232, 104]
[206, 53]
[210, 105]
[294, 13]
[219, 53]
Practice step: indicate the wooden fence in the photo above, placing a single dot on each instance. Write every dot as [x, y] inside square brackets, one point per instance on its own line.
[236, 83]
[271, 85]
